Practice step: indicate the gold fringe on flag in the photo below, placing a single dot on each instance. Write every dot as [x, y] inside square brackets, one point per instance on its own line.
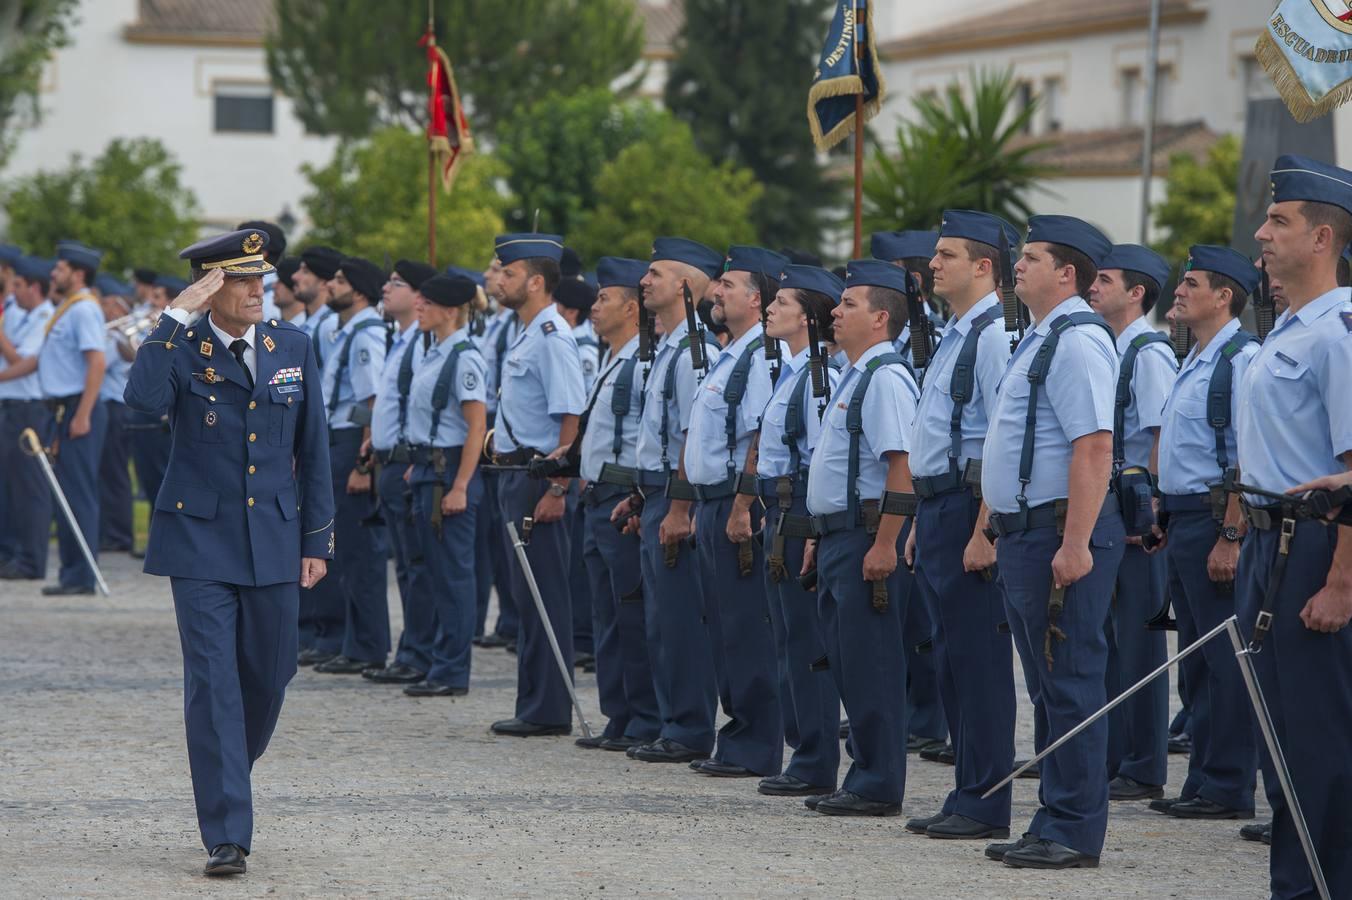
[840, 87]
[1302, 106]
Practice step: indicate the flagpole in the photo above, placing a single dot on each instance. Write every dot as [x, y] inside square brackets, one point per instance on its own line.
[1151, 98]
[858, 139]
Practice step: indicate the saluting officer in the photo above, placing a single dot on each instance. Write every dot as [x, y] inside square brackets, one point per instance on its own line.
[1045, 478]
[229, 526]
[541, 398]
[954, 560]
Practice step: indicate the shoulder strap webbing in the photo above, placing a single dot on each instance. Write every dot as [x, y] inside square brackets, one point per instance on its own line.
[733, 392]
[854, 425]
[1222, 386]
[345, 357]
[404, 383]
[962, 384]
[441, 391]
[1126, 371]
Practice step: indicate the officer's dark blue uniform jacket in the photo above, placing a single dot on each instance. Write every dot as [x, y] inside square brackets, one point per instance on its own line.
[247, 491]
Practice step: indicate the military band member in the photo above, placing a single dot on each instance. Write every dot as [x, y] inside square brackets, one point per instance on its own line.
[229, 527]
[150, 439]
[115, 526]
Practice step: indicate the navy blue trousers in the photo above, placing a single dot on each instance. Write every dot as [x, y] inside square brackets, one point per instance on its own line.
[1138, 730]
[1306, 677]
[410, 567]
[868, 664]
[77, 471]
[239, 653]
[1073, 789]
[809, 700]
[678, 641]
[753, 736]
[923, 697]
[541, 696]
[450, 570]
[974, 660]
[624, 674]
[359, 560]
[502, 563]
[149, 451]
[579, 581]
[27, 521]
[115, 529]
[1224, 763]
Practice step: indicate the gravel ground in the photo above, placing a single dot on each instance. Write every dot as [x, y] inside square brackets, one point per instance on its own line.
[366, 792]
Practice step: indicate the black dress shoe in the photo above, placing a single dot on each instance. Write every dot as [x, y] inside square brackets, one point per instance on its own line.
[961, 828]
[665, 750]
[1258, 831]
[1124, 787]
[520, 728]
[1197, 808]
[844, 729]
[935, 752]
[1035, 772]
[511, 647]
[226, 859]
[66, 590]
[716, 769]
[619, 744]
[1180, 743]
[813, 802]
[848, 803]
[394, 674]
[342, 665]
[11, 572]
[136, 554]
[312, 656]
[590, 743]
[427, 688]
[582, 660]
[997, 851]
[493, 641]
[1164, 804]
[918, 744]
[789, 786]
[918, 826]
[1049, 855]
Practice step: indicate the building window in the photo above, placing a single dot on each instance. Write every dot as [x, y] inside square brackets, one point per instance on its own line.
[244, 108]
[1257, 85]
[1024, 99]
[1132, 95]
[1051, 104]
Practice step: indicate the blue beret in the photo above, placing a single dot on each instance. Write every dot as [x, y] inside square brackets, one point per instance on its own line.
[616, 271]
[1070, 232]
[755, 259]
[9, 254]
[34, 268]
[449, 290]
[812, 278]
[894, 245]
[875, 272]
[1224, 261]
[238, 253]
[1135, 258]
[512, 247]
[981, 227]
[692, 253]
[79, 254]
[1302, 178]
[462, 272]
[111, 287]
[173, 284]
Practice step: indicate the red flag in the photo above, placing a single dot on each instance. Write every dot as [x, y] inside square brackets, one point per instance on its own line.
[447, 128]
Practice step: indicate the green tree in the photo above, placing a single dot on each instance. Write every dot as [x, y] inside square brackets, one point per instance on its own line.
[352, 66]
[743, 67]
[956, 154]
[371, 201]
[663, 185]
[130, 202]
[1199, 204]
[30, 31]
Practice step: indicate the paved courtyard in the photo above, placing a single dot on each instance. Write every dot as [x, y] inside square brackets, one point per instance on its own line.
[365, 792]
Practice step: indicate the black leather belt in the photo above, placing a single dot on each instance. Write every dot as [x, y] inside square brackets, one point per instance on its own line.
[830, 523]
[1269, 518]
[518, 457]
[54, 402]
[1178, 503]
[17, 404]
[618, 475]
[927, 486]
[725, 488]
[427, 456]
[1042, 516]
[768, 488]
[797, 526]
[399, 454]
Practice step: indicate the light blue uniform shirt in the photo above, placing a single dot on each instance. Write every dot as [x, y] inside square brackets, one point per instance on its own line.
[1187, 440]
[773, 459]
[708, 460]
[385, 414]
[468, 383]
[587, 355]
[598, 442]
[669, 356]
[541, 383]
[115, 372]
[931, 440]
[1151, 382]
[24, 330]
[61, 362]
[364, 365]
[326, 318]
[1076, 399]
[1296, 420]
[488, 346]
[888, 416]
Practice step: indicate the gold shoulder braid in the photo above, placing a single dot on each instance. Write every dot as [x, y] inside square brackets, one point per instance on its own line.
[65, 306]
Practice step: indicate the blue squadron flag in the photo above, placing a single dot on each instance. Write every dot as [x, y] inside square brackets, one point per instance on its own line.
[849, 67]
[1307, 50]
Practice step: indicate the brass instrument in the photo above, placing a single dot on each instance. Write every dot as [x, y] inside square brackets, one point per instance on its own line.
[132, 328]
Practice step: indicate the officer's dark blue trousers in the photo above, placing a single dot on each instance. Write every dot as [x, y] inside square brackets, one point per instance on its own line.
[239, 653]
[1306, 677]
[149, 441]
[1224, 763]
[541, 696]
[1074, 786]
[359, 560]
[973, 659]
[115, 529]
[923, 698]
[450, 570]
[868, 664]
[624, 675]
[579, 582]
[77, 470]
[410, 568]
[28, 514]
[500, 562]
[678, 642]
[1138, 730]
[753, 736]
[809, 699]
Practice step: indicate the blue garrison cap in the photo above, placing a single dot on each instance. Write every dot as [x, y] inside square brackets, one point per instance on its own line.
[462, 272]
[34, 268]
[1070, 232]
[1224, 261]
[1135, 258]
[755, 259]
[984, 228]
[111, 287]
[1302, 178]
[512, 247]
[812, 278]
[692, 253]
[238, 254]
[616, 271]
[172, 283]
[79, 254]
[894, 245]
[876, 273]
[10, 254]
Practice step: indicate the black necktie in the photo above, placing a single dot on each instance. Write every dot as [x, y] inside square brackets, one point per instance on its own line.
[237, 347]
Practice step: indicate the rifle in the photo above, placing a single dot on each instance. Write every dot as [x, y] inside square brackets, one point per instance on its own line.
[922, 329]
[1016, 314]
[773, 354]
[1180, 335]
[647, 335]
[698, 358]
[1264, 307]
[816, 366]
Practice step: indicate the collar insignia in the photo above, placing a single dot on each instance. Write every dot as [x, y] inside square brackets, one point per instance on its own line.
[205, 349]
[267, 342]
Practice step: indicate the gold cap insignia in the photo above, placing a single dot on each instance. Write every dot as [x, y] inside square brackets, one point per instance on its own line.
[253, 243]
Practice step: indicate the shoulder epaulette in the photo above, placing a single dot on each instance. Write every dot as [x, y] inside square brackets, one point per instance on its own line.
[283, 325]
[548, 327]
[1347, 320]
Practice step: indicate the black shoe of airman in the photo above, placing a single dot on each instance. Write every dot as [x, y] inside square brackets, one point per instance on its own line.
[1198, 808]
[342, 665]
[1035, 772]
[848, 803]
[520, 728]
[962, 828]
[789, 786]
[716, 769]
[1164, 804]
[226, 859]
[1045, 854]
[1124, 787]
[1258, 831]
[312, 656]
[620, 744]
[918, 826]
[427, 688]
[665, 750]
[494, 640]
[398, 673]
[66, 590]
[997, 851]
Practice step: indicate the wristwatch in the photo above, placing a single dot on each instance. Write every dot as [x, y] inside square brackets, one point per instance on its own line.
[556, 489]
[1231, 533]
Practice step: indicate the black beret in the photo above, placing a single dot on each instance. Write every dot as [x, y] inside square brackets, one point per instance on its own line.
[286, 270]
[570, 264]
[323, 261]
[366, 277]
[449, 290]
[145, 276]
[415, 273]
[574, 294]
